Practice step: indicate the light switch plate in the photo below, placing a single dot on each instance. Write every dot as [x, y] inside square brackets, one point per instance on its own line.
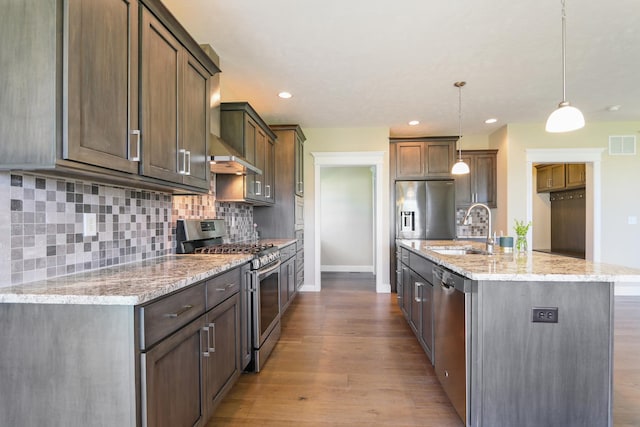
[90, 228]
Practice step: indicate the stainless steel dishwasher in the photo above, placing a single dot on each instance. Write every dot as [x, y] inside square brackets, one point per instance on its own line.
[450, 336]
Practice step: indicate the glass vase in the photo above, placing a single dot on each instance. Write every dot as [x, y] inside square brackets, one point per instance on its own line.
[521, 244]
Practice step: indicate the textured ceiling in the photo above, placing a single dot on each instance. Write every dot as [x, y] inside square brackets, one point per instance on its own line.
[381, 63]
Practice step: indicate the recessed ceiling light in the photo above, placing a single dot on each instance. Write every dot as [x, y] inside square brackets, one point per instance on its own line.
[414, 122]
[613, 108]
[285, 95]
[489, 121]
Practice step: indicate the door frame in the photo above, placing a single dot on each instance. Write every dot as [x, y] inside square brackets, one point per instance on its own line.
[374, 159]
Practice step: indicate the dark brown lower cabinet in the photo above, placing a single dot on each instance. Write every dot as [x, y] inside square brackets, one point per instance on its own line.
[222, 365]
[172, 393]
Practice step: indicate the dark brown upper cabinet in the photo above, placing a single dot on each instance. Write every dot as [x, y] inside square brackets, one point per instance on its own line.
[420, 158]
[480, 184]
[73, 101]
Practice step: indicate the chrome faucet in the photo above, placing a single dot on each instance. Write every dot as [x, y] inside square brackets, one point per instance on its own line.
[490, 241]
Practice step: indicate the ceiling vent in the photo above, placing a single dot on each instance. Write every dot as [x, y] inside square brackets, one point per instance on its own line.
[622, 145]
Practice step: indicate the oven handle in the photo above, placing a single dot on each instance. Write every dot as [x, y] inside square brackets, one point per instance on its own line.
[266, 272]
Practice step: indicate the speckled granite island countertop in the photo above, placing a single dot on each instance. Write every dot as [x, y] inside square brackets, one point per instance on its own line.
[128, 284]
[533, 266]
[281, 243]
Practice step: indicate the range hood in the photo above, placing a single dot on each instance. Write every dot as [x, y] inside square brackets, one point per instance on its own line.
[226, 160]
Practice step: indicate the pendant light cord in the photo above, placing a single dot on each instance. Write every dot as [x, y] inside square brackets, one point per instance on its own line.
[459, 86]
[564, 59]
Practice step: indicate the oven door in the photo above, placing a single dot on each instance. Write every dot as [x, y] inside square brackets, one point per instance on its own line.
[266, 307]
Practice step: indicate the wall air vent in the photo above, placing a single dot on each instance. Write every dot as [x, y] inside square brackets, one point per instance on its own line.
[622, 145]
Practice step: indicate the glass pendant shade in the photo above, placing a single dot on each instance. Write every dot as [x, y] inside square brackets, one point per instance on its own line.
[565, 119]
[460, 168]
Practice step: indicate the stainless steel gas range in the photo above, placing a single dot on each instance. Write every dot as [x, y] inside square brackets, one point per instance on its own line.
[261, 293]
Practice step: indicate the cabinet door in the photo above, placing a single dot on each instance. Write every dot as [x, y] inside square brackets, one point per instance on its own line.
[223, 363]
[575, 175]
[269, 171]
[245, 320]
[102, 107]
[426, 301]
[195, 127]
[550, 177]
[543, 179]
[465, 188]
[407, 294]
[250, 136]
[484, 176]
[291, 290]
[161, 63]
[260, 162]
[284, 284]
[410, 160]
[172, 392]
[439, 157]
[417, 284]
[299, 166]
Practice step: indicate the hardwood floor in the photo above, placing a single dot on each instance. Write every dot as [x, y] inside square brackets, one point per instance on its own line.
[348, 358]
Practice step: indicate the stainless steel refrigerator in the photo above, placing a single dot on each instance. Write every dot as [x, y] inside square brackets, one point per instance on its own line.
[426, 210]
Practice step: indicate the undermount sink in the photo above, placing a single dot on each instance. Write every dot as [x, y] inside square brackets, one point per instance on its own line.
[459, 251]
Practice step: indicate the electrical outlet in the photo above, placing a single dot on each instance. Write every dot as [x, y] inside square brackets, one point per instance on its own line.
[544, 314]
[89, 226]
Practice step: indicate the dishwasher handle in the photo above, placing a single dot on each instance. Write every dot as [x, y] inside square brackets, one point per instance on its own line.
[446, 279]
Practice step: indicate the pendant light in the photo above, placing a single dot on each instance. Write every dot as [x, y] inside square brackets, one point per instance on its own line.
[460, 168]
[566, 117]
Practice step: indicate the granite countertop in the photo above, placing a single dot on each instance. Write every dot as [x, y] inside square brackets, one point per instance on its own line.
[127, 284]
[280, 243]
[532, 266]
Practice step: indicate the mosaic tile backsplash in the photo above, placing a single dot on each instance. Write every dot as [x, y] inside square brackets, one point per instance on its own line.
[238, 217]
[46, 226]
[41, 225]
[478, 225]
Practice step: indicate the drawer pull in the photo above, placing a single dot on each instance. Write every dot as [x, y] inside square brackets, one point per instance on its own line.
[180, 312]
[226, 288]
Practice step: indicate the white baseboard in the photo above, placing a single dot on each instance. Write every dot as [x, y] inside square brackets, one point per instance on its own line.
[347, 268]
[627, 289]
[308, 288]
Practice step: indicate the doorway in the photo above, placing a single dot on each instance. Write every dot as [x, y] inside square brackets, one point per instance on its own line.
[592, 157]
[374, 160]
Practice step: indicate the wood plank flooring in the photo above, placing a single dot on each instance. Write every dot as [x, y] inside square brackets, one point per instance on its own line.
[348, 358]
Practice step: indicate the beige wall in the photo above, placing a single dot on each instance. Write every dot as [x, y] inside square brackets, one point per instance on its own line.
[342, 140]
[620, 175]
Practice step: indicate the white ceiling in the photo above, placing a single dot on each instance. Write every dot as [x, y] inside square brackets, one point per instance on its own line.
[381, 63]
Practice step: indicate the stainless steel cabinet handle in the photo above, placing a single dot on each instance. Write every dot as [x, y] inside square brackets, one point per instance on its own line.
[135, 157]
[258, 188]
[180, 312]
[226, 288]
[212, 339]
[187, 167]
[181, 161]
[418, 286]
[267, 190]
[206, 353]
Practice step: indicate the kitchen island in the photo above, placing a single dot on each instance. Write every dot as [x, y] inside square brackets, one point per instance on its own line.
[521, 339]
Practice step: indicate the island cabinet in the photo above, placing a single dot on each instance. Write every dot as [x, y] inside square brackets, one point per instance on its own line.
[74, 89]
[245, 131]
[417, 298]
[420, 158]
[515, 349]
[479, 185]
[285, 219]
[167, 362]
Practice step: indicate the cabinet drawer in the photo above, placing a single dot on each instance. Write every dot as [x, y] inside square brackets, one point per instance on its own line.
[222, 287]
[421, 266]
[168, 314]
[287, 252]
